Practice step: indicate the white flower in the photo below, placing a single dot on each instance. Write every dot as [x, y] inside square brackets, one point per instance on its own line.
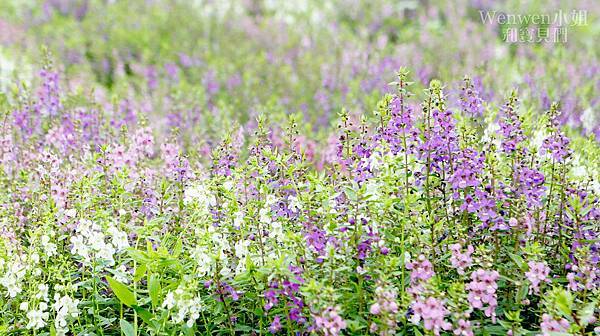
[65, 308]
[200, 195]
[12, 278]
[42, 293]
[228, 185]
[37, 318]
[203, 260]
[265, 215]
[169, 302]
[589, 118]
[277, 230]
[24, 306]
[271, 199]
[538, 138]
[71, 213]
[49, 248]
[119, 238]
[241, 248]
[489, 134]
[121, 274]
[225, 271]
[79, 247]
[295, 203]
[106, 252]
[238, 220]
[35, 258]
[187, 307]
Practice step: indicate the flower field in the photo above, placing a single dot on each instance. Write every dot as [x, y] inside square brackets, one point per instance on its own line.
[239, 167]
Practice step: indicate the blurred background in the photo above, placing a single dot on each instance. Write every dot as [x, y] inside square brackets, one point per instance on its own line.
[209, 67]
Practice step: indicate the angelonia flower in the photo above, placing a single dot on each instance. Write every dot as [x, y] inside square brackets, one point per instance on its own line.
[510, 125]
[460, 260]
[385, 308]
[421, 269]
[287, 291]
[66, 310]
[482, 291]
[177, 167]
[49, 101]
[186, 307]
[432, 312]
[531, 185]
[12, 278]
[400, 129]
[538, 272]
[470, 101]
[275, 326]
[463, 328]
[329, 322]
[210, 82]
[8, 153]
[557, 145]
[468, 166]
[584, 275]
[550, 325]
[220, 216]
[144, 142]
[37, 318]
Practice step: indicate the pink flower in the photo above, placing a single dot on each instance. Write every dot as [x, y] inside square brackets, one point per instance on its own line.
[538, 272]
[421, 269]
[330, 322]
[482, 291]
[460, 260]
[432, 312]
[463, 328]
[550, 325]
[386, 309]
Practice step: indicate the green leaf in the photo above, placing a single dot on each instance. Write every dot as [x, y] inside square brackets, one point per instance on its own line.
[518, 260]
[139, 272]
[147, 317]
[127, 328]
[244, 328]
[351, 194]
[154, 289]
[139, 256]
[586, 314]
[122, 292]
[177, 248]
[564, 302]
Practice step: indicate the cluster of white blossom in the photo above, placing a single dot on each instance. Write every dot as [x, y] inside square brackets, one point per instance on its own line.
[36, 317]
[199, 195]
[90, 242]
[13, 272]
[65, 308]
[187, 307]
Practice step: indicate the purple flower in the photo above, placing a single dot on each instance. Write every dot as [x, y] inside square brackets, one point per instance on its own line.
[275, 325]
[471, 103]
